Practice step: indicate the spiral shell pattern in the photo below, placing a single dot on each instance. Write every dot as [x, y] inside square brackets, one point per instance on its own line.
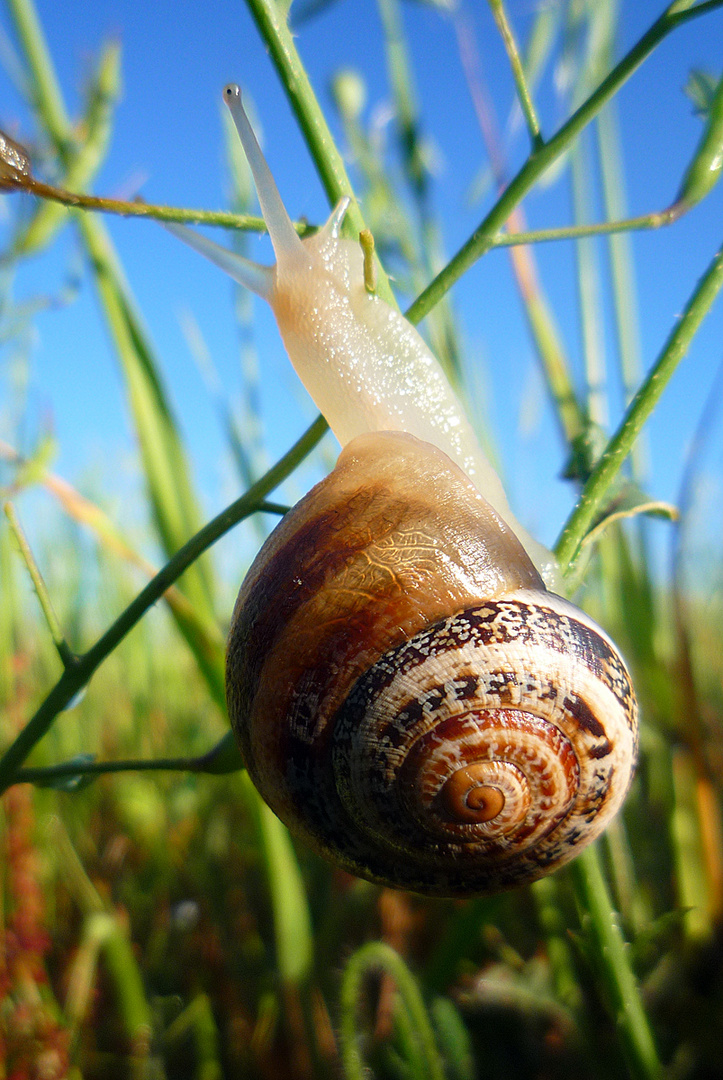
[488, 747]
[409, 698]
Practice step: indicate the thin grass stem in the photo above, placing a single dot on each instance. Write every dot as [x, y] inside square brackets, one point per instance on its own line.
[293, 936]
[553, 360]
[54, 775]
[48, 98]
[706, 168]
[78, 201]
[482, 238]
[112, 935]
[600, 922]
[638, 411]
[377, 956]
[518, 72]
[642, 223]
[87, 513]
[271, 20]
[622, 273]
[176, 510]
[66, 654]
[589, 291]
[76, 678]
[252, 223]
[80, 158]
[405, 97]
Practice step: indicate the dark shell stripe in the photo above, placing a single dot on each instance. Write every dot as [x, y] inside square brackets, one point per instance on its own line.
[379, 809]
[368, 767]
[501, 622]
[368, 828]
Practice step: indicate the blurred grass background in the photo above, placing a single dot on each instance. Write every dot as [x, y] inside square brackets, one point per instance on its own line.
[161, 923]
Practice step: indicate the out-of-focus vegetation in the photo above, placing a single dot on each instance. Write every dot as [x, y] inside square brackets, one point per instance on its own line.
[161, 923]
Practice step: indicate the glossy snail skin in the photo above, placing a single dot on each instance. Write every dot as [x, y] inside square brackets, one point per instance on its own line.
[365, 366]
[415, 713]
[408, 696]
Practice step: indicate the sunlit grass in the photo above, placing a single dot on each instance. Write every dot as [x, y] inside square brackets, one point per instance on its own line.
[162, 922]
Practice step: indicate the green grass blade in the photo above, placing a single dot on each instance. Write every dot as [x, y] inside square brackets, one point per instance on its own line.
[272, 23]
[293, 935]
[167, 470]
[81, 161]
[175, 509]
[613, 966]
[483, 237]
[639, 410]
[75, 678]
[376, 956]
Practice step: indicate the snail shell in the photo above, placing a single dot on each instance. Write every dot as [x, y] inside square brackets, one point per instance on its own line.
[14, 163]
[409, 698]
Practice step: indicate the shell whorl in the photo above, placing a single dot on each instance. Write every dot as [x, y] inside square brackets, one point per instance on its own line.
[488, 747]
[416, 713]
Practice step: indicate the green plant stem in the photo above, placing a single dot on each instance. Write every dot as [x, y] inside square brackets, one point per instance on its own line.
[600, 922]
[624, 289]
[404, 96]
[78, 201]
[599, 917]
[377, 956]
[270, 18]
[45, 776]
[293, 936]
[638, 411]
[176, 511]
[552, 922]
[66, 654]
[46, 89]
[589, 290]
[518, 73]
[113, 940]
[86, 513]
[654, 220]
[252, 223]
[426, 255]
[482, 238]
[545, 335]
[272, 25]
[75, 677]
[705, 169]
[80, 160]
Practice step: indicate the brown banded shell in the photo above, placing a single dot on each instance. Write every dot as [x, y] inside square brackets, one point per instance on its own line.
[14, 162]
[408, 697]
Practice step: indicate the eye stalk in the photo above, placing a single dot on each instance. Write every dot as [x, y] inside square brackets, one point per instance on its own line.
[284, 238]
[365, 366]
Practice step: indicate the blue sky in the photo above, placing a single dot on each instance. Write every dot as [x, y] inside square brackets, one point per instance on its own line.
[168, 143]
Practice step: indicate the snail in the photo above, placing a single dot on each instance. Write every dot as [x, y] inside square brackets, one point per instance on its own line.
[14, 163]
[408, 696]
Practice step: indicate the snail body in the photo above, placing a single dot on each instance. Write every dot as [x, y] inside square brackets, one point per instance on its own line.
[365, 366]
[408, 696]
